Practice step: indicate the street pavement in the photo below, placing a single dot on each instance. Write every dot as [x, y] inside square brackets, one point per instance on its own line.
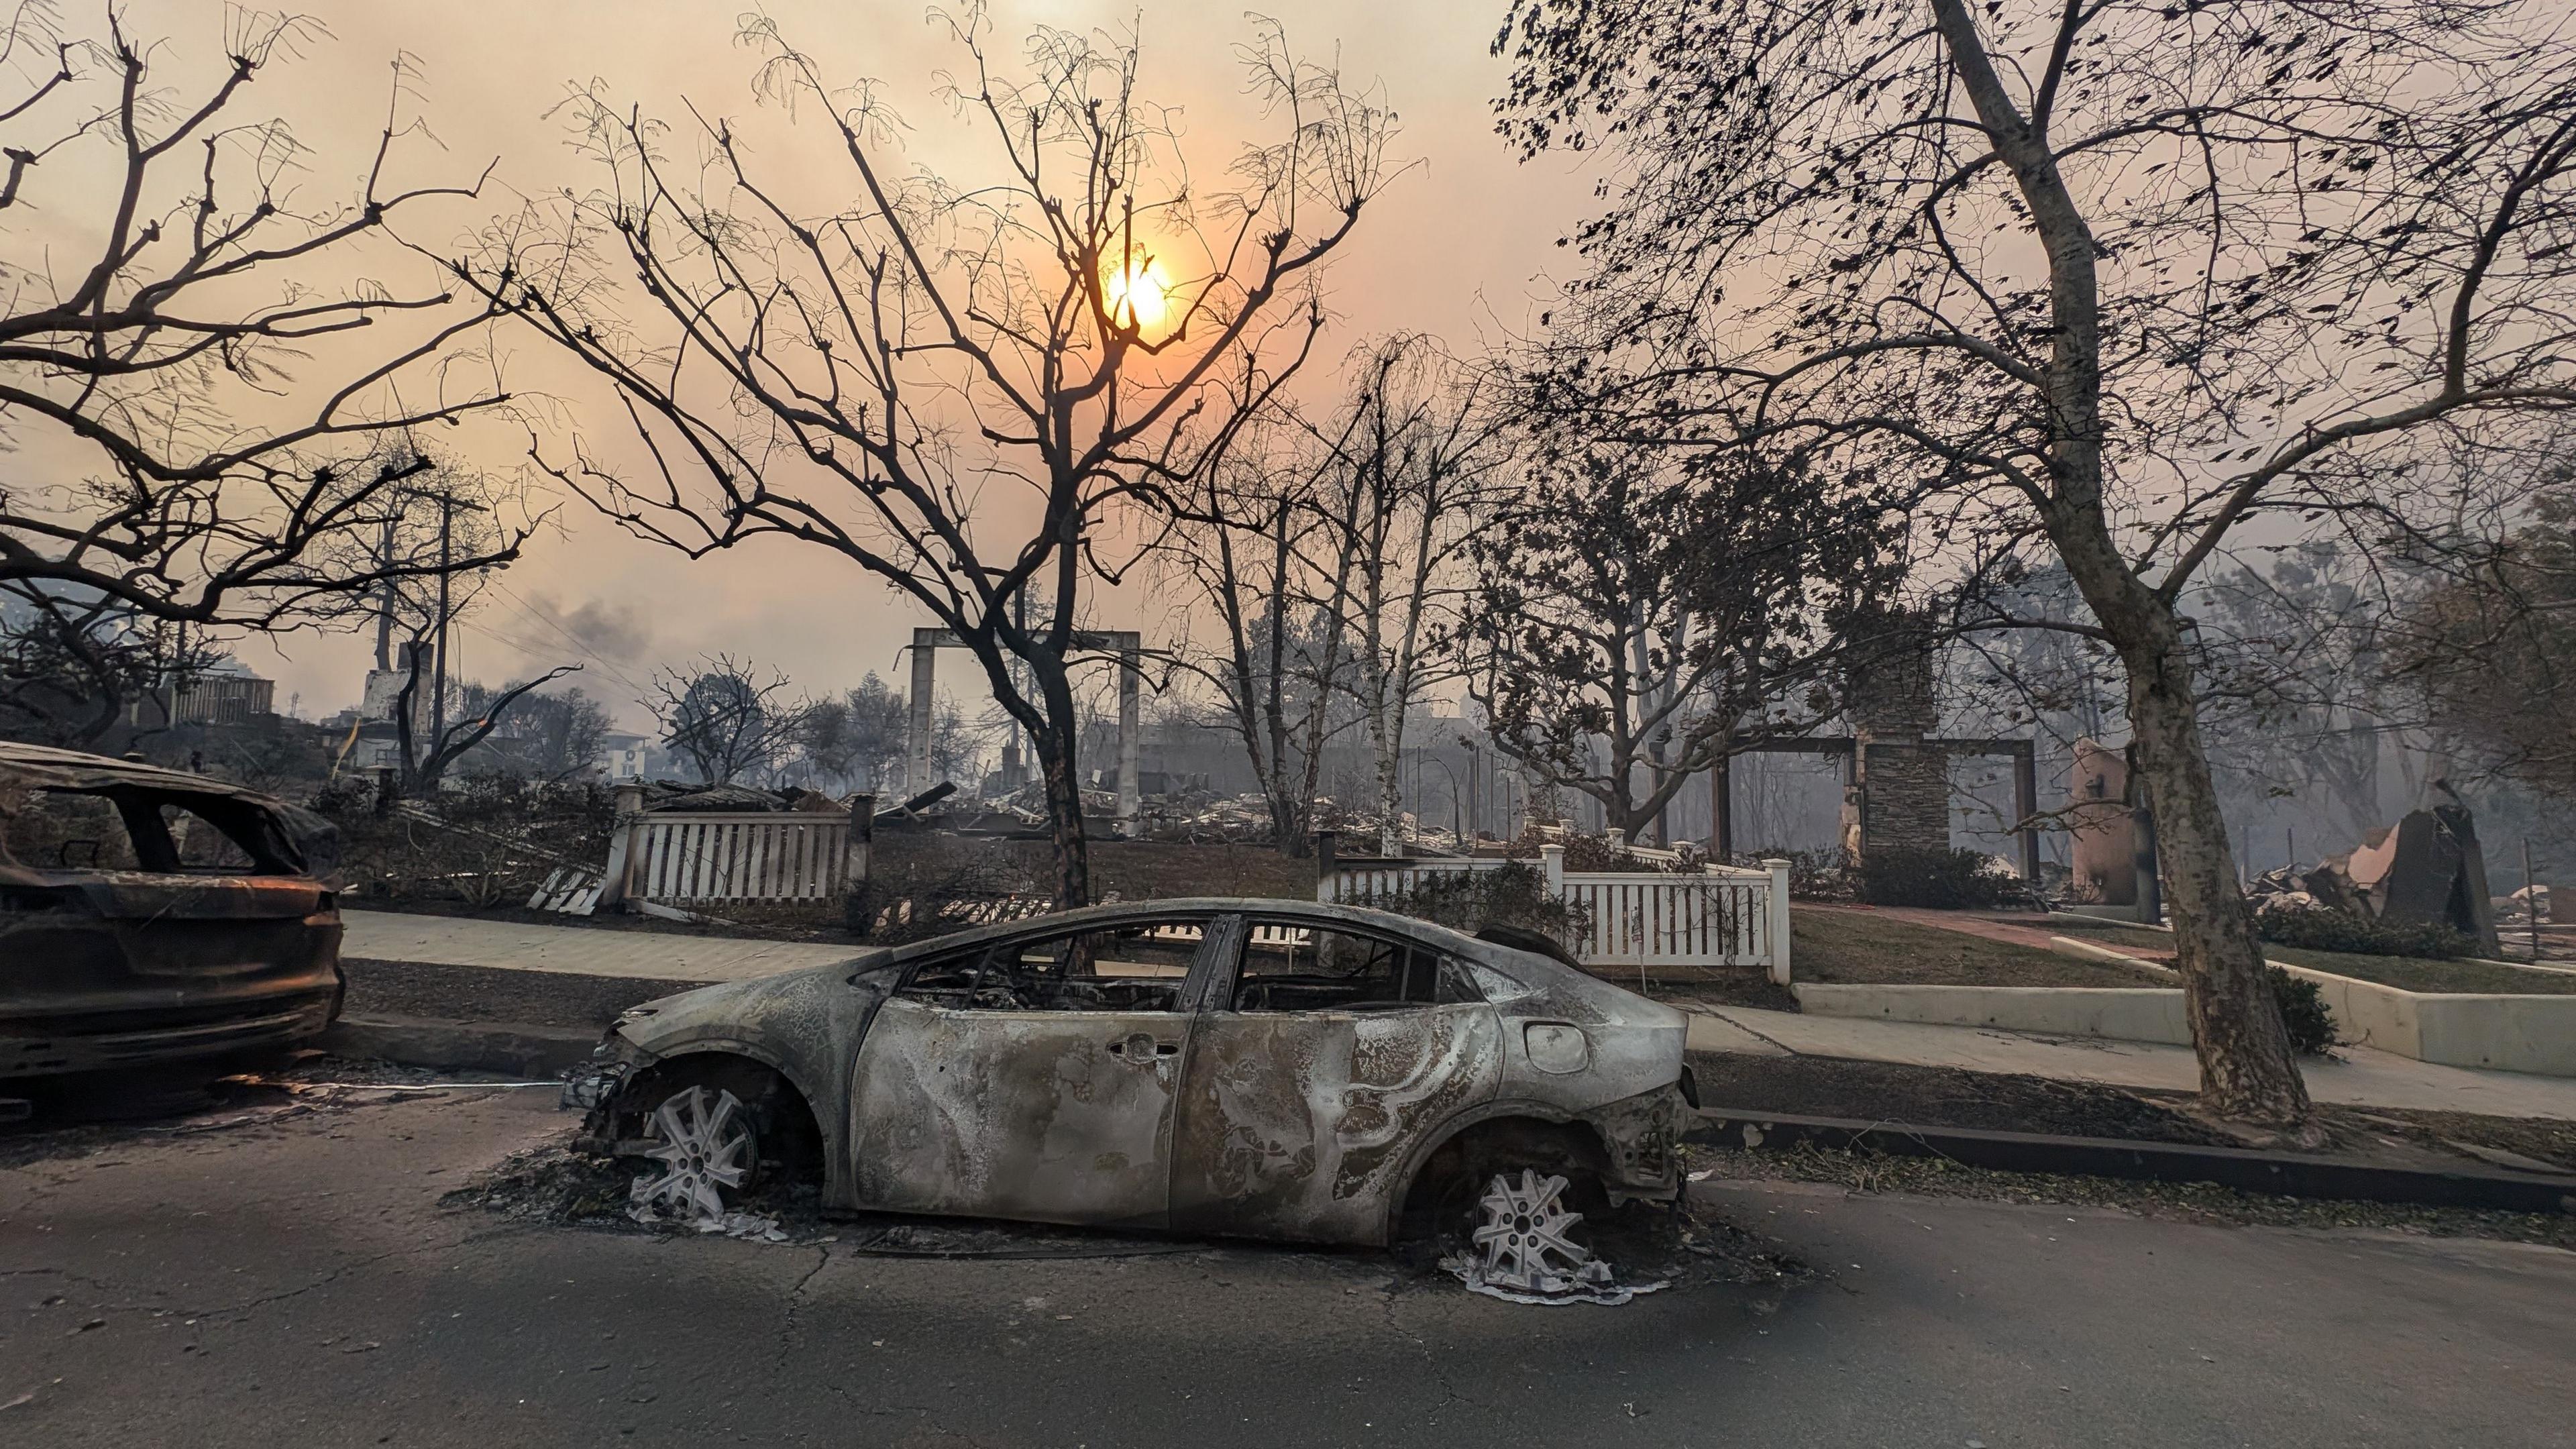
[293, 1280]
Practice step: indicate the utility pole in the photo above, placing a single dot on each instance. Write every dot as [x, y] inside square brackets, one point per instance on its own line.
[385, 598]
[446, 557]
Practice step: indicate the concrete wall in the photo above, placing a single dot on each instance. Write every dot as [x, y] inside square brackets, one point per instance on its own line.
[2499, 1033]
[2502, 1033]
[2127, 1013]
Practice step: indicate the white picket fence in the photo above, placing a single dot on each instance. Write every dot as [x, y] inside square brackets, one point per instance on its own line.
[724, 856]
[1636, 920]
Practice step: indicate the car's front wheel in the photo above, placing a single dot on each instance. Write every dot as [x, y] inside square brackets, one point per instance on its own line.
[705, 1151]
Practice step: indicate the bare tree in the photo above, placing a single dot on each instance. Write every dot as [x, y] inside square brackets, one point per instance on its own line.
[2119, 279]
[904, 372]
[2491, 649]
[1257, 541]
[2299, 697]
[857, 739]
[168, 328]
[534, 735]
[75, 665]
[1410, 482]
[1638, 618]
[727, 718]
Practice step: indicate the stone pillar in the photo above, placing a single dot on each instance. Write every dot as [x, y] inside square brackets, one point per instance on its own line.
[2026, 808]
[925, 663]
[1901, 780]
[1131, 679]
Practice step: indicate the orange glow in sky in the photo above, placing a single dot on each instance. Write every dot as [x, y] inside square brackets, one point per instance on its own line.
[1139, 294]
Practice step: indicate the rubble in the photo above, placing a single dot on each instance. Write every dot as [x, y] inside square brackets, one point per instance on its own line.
[2425, 869]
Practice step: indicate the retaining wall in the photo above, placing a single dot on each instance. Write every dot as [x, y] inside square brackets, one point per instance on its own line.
[2128, 1013]
[2503, 1033]
[2499, 1033]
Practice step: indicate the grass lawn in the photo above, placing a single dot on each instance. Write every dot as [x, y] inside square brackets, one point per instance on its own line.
[2406, 973]
[1855, 948]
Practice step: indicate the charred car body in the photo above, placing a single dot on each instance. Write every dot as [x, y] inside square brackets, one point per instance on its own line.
[151, 916]
[1261, 1068]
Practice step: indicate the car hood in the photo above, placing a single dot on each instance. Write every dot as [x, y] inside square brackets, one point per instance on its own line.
[761, 1006]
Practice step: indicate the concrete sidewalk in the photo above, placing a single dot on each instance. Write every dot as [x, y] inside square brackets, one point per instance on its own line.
[573, 950]
[2364, 1078]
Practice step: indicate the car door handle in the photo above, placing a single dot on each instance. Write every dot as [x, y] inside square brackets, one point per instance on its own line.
[1142, 1047]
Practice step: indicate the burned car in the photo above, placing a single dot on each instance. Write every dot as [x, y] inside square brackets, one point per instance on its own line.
[1262, 1068]
[151, 916]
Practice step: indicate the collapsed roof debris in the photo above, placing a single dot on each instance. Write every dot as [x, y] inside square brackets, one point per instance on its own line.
[2426, 869]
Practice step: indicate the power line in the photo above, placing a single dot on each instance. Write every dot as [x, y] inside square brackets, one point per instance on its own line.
[581, 646]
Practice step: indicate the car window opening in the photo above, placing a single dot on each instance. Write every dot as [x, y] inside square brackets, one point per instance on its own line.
[1298, 968]
[1130, 968]
[141, 830]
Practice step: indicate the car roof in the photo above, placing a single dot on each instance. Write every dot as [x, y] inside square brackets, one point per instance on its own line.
[47, 768]
[1319, 912]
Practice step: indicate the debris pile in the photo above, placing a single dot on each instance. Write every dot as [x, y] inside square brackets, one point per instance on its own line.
[2427, 869]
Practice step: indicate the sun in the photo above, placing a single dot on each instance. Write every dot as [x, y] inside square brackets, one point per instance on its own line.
[1139, 295]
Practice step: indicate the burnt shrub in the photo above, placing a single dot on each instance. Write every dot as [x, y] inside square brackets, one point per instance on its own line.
[483, 842]
[923, 885]
[2303, 1013]
[1511, 894]
[1942, 880]
[2328, 930]
[1814, 875]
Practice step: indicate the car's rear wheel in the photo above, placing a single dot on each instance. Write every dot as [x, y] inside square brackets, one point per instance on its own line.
[1447, 1205]
[705, 1153]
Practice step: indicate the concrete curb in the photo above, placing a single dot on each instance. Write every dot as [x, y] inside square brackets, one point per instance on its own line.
[510, 1048]
[2283, 1173]
[2120, 1013]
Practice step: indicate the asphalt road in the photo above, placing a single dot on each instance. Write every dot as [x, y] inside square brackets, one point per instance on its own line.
[295, 1282]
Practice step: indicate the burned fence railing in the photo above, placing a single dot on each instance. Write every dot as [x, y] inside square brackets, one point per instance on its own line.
[1629, 920]
[688, 857]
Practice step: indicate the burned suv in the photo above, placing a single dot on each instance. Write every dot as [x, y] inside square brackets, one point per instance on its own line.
[150, 916]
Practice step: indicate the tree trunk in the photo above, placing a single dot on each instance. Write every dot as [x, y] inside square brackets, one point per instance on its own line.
[2247, 1070]
[1057, 769]
[1390, 786]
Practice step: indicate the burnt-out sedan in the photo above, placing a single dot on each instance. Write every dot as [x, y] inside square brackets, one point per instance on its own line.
[1262, 1068]
[149, 916]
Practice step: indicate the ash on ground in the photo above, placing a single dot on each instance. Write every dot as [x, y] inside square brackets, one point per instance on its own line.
[1688, 1244]
[555, 1184]
[1682, 1245]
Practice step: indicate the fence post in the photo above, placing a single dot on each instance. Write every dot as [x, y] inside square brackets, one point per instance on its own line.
[1552, 857]
[1327, 846]
[854, 853]
[621, 846]
[1777, 904]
